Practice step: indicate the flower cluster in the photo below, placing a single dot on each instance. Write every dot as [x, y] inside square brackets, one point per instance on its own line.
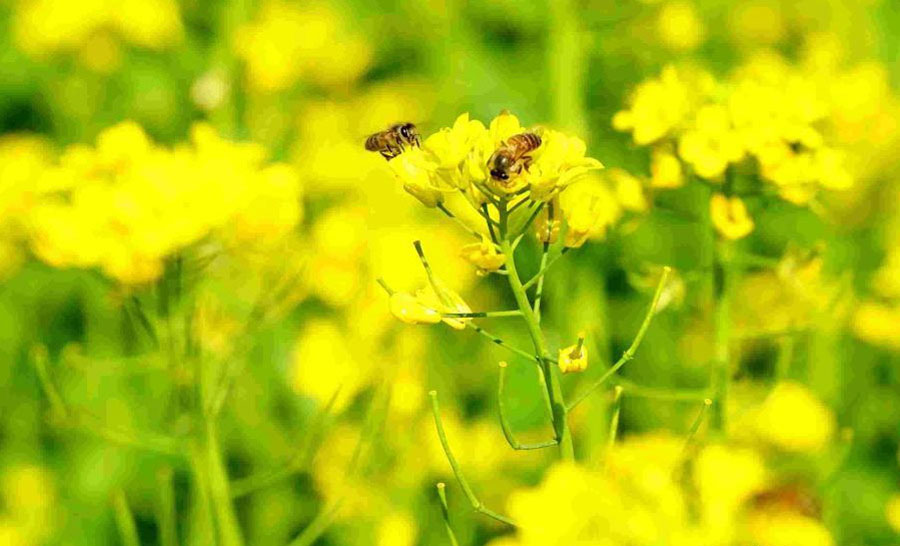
[90, 29]
[762, 130]
[650, 492]
[127, 204]
[455, 159]
[286, 42]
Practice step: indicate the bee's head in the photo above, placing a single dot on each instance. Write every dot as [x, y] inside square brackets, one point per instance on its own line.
[500, 167]
[409, 133]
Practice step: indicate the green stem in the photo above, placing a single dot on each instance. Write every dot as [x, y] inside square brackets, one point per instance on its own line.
[545, 265]
[695, 426]
[445, 513]
[497, 341]
[663, 393]
[467, 489]
[614, 421]
[635, 343]
[229, 530]
[504, 423]
[720, 372]
[125, 519]
[472, 231]
[165, 514]
[551, 377]
[540, 287]
[484, 314]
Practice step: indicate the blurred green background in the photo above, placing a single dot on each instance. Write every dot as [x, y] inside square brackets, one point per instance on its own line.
[309, 80]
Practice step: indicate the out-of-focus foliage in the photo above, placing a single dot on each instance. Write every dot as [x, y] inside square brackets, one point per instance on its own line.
[191, 231]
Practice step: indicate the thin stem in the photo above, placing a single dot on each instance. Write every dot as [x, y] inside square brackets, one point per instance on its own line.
[553, 387]
[39, 360]
[318, 525]
[125, 519]
[165, 512]
[504, 423]
[719, 371]
[695, 425]
[635, 343]
[300, 461]
[473, 232]
[614, 420]
[485, 213]
[476, 504]
[229, 530]
[445, 513]
[497, 341]
[523, 229]
[540, 286]
[484, 314]
[544, 268]
[662, 393]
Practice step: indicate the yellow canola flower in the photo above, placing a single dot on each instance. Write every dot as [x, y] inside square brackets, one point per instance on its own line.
[484, 256]
[781, 528]
[712, 144]
[574, 358]
[729, 216]
[877, 323]
[456, 158]
[629, 190]
[792, 419]
[547, 224]
[720, 498]
[665, 170]
[657, 107]
[589, 208]
[428, 305]
[892, 512]
[418, 173]
[45, 27]
[286, 42]
[410, 309]
[126, 204]
[679, 26]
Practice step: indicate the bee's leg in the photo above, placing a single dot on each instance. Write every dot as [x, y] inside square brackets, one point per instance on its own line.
[526, 162]
[386, 154]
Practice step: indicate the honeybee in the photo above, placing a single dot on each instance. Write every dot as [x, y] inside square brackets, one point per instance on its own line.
[394, 140]
[512, 156]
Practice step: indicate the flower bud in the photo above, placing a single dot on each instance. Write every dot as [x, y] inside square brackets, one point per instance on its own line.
[409, 309]
[574, 358]
[484, 256]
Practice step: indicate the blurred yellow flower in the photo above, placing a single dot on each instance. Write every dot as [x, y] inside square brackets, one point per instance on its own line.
[721, 498]
[589, 208]
[324, 364]
[877, 323]
[127, 204]
[396, 530]
[729, 216]
[656, 107]
[792, 419]
[665, 170]
[679, 26]
[712, 143]
[892, 512]
[45, 27]
[788, 529]
[629, 190]
[286, 42]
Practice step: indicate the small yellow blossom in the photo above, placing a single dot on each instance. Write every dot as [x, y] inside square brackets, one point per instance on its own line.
[679, 26]
[574, 358]
[547, 224]
[410, 309]
[416, 171]
[729, 216]
[712, 143]
[665, 170]
[629, 190]
[657, 106]
[589, 208]
[772, 528]
[484, 256]
[877, 323]
[892, 512]
[793, 419]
